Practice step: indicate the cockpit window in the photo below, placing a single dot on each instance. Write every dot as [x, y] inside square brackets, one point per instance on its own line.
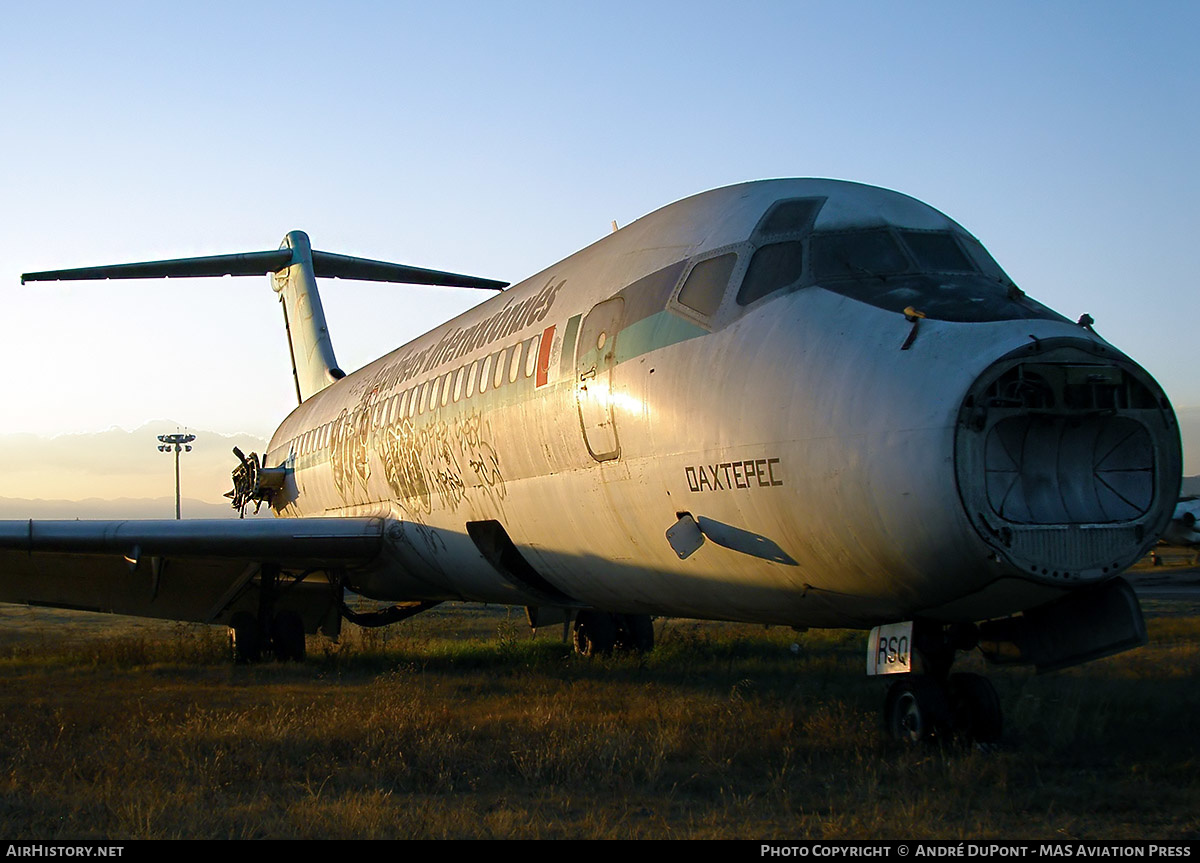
[706, 284]
[792, 216]
[986, 263]
[937, 252]
[853, 254]
[773, 267]
[943, 275]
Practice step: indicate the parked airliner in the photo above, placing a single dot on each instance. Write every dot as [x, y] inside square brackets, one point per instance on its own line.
[1182, 529]
[803, 402]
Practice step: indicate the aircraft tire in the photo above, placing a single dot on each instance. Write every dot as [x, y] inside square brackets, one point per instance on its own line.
[245, 642]
[977, 711]
[595, 633]
[635, 633]
[916, 711]
[287, 637]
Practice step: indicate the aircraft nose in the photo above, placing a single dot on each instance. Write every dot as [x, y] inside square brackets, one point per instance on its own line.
[1068, 459]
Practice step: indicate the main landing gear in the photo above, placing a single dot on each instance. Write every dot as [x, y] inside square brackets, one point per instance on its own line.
[931, 704]
[282, 637]
[277, 633]
[599, 633]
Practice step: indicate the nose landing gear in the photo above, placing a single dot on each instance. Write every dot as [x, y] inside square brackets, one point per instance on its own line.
[931, 704]
[598, 633]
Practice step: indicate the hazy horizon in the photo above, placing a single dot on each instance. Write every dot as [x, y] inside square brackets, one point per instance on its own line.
[119, 463]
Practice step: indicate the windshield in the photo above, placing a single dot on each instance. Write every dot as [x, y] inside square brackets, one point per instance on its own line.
[838, 254]
[945, 275]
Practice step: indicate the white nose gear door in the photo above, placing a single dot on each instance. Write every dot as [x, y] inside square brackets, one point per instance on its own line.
[595, 356]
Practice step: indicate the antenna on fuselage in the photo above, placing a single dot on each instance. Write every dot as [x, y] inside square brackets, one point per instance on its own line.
[293, 268]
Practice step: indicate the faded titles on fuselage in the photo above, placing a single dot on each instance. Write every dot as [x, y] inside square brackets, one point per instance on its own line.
[459, 342]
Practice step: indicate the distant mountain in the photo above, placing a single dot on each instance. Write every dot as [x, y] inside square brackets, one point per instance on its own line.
[119, 464]
[126, 507]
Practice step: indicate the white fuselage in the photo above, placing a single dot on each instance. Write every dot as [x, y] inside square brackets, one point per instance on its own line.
[819, 426]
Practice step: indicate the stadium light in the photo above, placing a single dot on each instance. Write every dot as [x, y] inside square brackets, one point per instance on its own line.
[176, 443]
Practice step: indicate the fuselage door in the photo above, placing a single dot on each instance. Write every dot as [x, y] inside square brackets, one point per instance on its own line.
[595, 356]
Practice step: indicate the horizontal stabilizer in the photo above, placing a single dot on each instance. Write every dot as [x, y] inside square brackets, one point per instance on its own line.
[325, 264]
[294, 269]
[334, 266]
[248, 264]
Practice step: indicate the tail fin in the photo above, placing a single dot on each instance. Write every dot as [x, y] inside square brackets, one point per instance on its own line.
[313, 364]
[293, 268]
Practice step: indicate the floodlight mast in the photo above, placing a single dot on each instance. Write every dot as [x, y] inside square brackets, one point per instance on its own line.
[176, 443]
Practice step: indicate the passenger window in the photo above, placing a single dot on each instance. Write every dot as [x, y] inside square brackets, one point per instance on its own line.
[531, 357]
[498, 379]
[706, 283]
[485, 373]
[772, 267]
[471, 374]
[514, 365]
[446, 388]
[458, 382]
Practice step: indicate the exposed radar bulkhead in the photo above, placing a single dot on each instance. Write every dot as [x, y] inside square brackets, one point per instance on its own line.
[1062, 450]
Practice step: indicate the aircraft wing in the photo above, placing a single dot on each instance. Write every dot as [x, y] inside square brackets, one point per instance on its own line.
[200, 570]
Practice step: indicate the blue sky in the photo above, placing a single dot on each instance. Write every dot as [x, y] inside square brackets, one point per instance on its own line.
[496, 138]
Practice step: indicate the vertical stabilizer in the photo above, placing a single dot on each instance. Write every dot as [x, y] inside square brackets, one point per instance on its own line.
[314, 366]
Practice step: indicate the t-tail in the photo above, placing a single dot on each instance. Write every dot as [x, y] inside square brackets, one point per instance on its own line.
[293, 269]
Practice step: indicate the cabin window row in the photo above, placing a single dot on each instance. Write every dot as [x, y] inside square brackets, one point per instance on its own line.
[498, 369]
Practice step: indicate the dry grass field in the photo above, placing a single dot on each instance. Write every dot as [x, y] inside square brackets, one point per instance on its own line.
[459, 724]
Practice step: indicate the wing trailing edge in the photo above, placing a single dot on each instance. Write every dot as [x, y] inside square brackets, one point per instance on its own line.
[203, 570]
